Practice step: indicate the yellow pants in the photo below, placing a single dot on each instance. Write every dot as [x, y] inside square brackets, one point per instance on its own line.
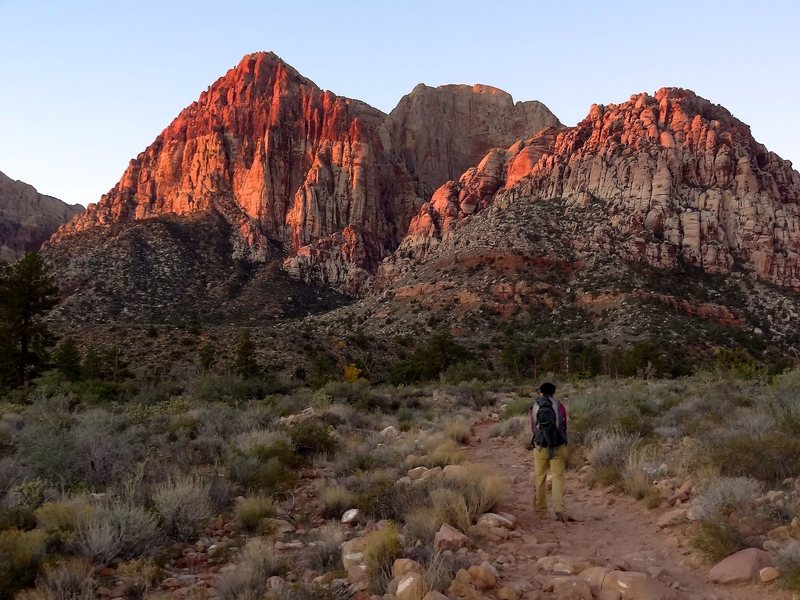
[542, 463]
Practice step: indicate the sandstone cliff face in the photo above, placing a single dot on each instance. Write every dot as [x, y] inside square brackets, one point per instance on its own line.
[302, 172]
[677, 178]
[28, 218]
[440, 132]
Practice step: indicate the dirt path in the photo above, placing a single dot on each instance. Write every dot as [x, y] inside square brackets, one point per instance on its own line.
[613, 530]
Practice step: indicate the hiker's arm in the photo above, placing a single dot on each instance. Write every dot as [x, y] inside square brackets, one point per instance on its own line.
[532, 416]
[563, 415]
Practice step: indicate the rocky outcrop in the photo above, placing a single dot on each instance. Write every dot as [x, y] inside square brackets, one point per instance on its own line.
[678, 179]
[330, 182]
[28, 218]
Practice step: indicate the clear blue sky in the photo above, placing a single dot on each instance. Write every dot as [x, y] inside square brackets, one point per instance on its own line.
[86, 85]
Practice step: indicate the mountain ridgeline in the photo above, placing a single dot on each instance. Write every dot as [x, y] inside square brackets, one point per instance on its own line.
[269, 188]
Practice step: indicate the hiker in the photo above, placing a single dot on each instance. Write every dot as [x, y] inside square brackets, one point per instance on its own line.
[549, 444]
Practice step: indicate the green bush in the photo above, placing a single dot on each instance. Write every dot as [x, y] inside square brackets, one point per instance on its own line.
[381, 548]
[313, 438]
[21, 554]
[770, 457]
[257, 562]
[252, 510]
[71, 580]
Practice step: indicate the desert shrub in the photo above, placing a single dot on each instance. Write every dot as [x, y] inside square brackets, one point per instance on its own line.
[312, 438]
[21, 554]
[441, 569]
[220, 492]
[64, 516]
[511, 427]
[117, 531]
[71, 580]
[788, 561]
[139, 576]
[253, 509]
[717, 539]
[257, 562]
[517, 407]
[465, 371]
[324, 553]
[641, 467]
[723, 496]
[263, 460]
[458, 431]
[423, 523]
[183, 505]
[610, 449]
[481, 487]
[335, 500]
[20, 503]
[451, 508]
[429, 359]
[367, 457]
[770, 457]
[381, 548]
[446, 453]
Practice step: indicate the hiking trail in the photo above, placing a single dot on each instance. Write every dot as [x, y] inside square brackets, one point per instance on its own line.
[612, 530]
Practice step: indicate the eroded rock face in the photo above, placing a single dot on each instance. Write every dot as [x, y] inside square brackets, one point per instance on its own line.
[331, 182]
[678, 178]
[28, 218]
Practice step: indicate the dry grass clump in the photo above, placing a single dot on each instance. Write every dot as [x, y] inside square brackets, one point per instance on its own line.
[253, 509]
[512, 427]
[446, 453]
[257, 562]
[642, 467]
[323, 554]
[423, 523]
[459, 431]
[183, 505]
[610, 449]
[482, 488]
[117, 531]
[450, 507]
[720, 506]
[335, 500]
[381, 548]
[71, 580]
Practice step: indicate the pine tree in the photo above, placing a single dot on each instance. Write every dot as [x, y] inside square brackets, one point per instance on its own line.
[245, 364]
[67, 359]
[26, 294]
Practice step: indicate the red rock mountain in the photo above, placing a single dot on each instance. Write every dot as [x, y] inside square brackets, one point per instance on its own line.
[678, 180]
[298, 171]
[28, 218]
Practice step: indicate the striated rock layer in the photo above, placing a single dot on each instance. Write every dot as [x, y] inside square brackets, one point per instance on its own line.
[331, 182]
[677, 179]
[28, 218]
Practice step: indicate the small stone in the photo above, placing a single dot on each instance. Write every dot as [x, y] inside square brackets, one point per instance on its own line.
[416, 472]
[449, 538]
[768, 574]
[350, 516]
[484, 576]
[411, 586]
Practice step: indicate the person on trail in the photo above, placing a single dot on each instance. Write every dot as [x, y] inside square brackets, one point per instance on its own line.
[549, 444]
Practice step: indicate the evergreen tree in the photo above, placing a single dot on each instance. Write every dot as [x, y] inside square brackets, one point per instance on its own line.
[67, 359]
[26, 294]
[245, 364]
[208, 356]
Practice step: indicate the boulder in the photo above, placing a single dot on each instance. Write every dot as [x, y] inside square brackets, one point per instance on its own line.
[484, 576]
[495, 520]
[742, 566]
[450, 538]
[434, 595]
[594, 576]
[672, 518]
[416, 472]
[403, 566]
[410, 586]
[571, 588]
[353, 552]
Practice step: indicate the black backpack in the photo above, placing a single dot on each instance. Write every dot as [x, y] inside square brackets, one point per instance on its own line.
[546, 434]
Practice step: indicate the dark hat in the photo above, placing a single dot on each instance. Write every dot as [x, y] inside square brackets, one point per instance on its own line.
[547, 389]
